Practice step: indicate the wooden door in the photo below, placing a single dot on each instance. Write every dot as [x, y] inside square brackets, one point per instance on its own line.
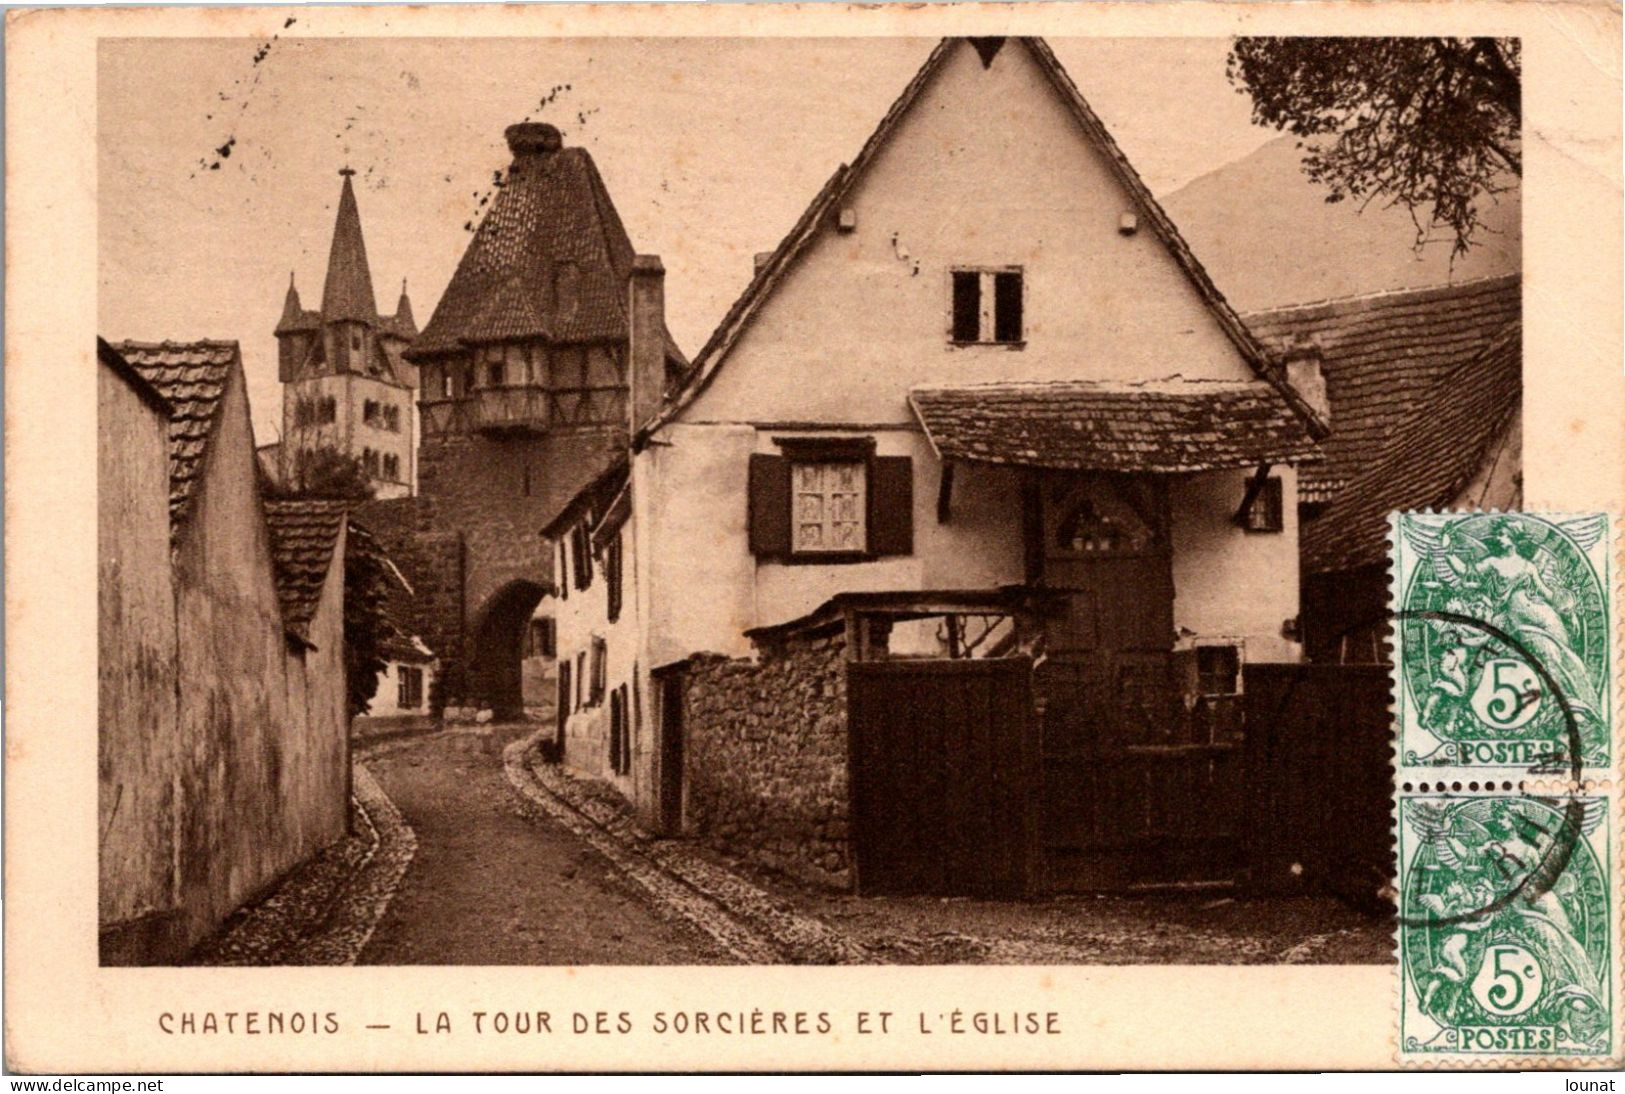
[944, 763]
[1129, 794]
[671, 685]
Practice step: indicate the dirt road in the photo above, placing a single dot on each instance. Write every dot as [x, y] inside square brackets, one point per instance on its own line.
[491, 886]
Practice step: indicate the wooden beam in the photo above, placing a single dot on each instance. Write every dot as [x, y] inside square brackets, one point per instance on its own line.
[1032, 530]
[945, 493]
[1254, 486]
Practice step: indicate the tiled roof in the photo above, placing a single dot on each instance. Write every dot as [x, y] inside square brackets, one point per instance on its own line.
[1166, 427]
[550, 260]
[401, 323]
[191, 376]
[1427, 459]
[771, 273]
[347, 293]
[1381, 354]
[303, 535]
[294, 316]
[121, 368]
[592, 500]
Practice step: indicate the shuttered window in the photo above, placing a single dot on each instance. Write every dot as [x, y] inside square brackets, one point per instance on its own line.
[827, 507]
[612, 575]
[581, 555]
[986, 306]
[617, 730]
[843, 509]
[600, 672]
[566, 697]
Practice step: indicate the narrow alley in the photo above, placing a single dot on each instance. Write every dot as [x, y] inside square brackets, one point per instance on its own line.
[489, 886]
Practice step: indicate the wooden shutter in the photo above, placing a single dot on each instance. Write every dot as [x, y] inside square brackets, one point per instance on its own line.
[566, 696]
[769, 506]
[891, 506]
[612, 574]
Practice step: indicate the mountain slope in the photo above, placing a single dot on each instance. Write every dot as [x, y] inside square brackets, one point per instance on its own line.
[1268, 237]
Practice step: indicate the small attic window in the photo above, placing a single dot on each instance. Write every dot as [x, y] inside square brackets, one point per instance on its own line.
[987, 306]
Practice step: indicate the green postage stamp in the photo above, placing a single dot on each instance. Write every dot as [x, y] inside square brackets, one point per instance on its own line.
[1506, 805]
[1506, 939]
[1502, 641]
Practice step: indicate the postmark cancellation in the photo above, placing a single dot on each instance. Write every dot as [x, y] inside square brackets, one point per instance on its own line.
[1502, 641]
[1506, 800]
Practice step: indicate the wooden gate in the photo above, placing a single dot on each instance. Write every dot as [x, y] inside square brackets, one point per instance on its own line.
[944, 766]
[1320, 777]
[1138, 789]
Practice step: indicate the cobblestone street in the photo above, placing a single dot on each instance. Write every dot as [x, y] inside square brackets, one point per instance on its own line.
[471, 851]
[491, 886]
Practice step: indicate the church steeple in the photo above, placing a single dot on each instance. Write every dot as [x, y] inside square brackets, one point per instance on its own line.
[293, 313]
[347, 294]
[404, 322]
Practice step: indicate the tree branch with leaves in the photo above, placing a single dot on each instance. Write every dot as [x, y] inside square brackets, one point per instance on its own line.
[1431, 124]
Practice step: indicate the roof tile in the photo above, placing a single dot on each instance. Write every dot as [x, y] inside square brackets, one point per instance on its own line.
[303, 535]
[1382, 353]
[1167, 427]
[550, 260]
[1426, 457]
[192, 377]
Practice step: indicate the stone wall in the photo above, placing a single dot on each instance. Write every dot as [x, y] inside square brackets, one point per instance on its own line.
[431, 558]
[474, 532]
[136, 650]
[261, 772]
[766, 758]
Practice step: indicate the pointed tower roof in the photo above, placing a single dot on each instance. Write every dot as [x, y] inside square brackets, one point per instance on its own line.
[348, 291]
[402, 323]
[550, 260]
[294, 316]
[403, 309]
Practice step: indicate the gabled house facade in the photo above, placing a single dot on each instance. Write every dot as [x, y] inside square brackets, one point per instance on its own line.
[982, 434]
[599, 701]
[224, 748]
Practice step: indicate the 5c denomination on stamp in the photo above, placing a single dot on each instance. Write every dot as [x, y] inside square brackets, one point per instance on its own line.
[1502, 647]
[1506, 937]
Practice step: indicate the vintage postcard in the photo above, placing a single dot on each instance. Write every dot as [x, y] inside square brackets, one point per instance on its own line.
[1040, 536]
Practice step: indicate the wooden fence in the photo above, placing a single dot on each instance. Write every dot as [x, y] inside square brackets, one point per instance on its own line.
[1319, 780]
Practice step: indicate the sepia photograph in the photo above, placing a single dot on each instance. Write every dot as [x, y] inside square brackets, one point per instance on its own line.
[600, 538]
[687, 501]
[556, 514]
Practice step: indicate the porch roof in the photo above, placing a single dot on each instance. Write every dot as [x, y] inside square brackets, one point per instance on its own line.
[903, 604]
[1168, 426]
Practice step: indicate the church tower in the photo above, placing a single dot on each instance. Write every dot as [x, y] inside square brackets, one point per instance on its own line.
[345, 384]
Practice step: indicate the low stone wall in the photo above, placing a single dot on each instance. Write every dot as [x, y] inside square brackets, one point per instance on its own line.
[766, 758]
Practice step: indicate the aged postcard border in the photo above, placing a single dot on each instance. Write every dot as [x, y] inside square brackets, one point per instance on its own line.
[1108, 1017]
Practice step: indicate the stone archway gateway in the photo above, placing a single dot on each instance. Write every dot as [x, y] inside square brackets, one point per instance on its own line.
[499, 636]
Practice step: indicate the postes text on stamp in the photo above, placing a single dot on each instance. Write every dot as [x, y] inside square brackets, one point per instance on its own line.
[1506, 926]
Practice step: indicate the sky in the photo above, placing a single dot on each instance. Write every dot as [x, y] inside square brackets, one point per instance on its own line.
[218, 158]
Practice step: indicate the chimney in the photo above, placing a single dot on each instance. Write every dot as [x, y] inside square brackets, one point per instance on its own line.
[1304, 362]
[533, 139]
[646, 374]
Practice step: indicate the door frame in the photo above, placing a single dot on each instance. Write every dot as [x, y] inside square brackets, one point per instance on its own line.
[670, 685]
